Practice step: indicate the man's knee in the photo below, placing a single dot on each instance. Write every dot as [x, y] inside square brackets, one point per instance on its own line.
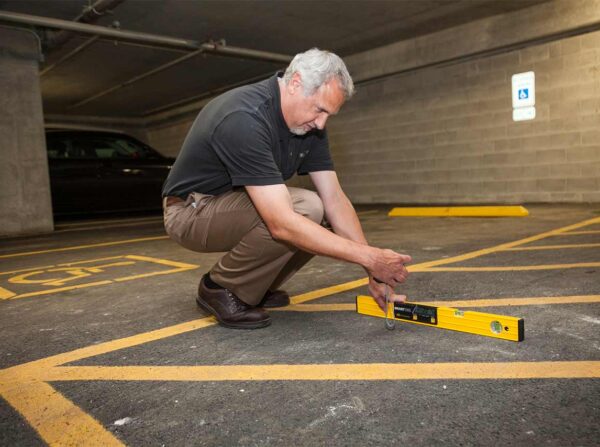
[309, 204]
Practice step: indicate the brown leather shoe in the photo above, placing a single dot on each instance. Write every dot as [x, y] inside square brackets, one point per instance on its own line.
[277, 298]
[229, 310]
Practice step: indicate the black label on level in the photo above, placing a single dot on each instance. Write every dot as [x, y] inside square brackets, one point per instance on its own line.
[416, 312]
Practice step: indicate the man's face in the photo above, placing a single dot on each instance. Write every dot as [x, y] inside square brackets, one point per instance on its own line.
[311, 112]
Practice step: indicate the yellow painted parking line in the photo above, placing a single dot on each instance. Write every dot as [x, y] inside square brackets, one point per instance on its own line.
[115, 345]
[59, 289]
[490, 302]
[24, 384]
[552, 247]
[427, 266]
[515, 268]
[81, 247]
[326, 307]
[57, 420]
[179, 266]
[50, 413]
[460, 211]
[147, 275]
[6, 294]
[28, 269]
[528, 301]
[329, 291]
[322, 372]
[103, 227]
[61, 422]
[486, 251]
[569, 233]
[168, 262]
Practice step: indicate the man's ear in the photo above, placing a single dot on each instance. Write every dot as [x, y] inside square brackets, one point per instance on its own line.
[295, 84]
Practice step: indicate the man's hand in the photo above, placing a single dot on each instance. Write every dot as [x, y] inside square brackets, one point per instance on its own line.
[378, 290]
[388, 266]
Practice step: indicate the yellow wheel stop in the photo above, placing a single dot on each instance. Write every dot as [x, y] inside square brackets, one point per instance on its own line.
[460, 211]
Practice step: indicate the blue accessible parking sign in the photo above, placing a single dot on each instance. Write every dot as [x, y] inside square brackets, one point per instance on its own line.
[523, 90]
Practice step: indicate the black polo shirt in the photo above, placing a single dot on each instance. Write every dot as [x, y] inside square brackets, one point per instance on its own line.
[240, 138]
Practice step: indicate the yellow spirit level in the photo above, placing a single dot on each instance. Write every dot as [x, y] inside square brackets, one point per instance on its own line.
[480, 323]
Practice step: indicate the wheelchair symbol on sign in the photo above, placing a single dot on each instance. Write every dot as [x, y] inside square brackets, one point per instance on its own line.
[523, 93]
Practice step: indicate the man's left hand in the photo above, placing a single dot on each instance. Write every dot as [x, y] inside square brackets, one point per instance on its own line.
[378, 290]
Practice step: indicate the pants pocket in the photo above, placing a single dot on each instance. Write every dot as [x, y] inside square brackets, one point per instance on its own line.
[185, 224]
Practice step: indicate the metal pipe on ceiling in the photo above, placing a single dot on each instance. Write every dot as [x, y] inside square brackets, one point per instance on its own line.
[47, 22]
[225, 50]
[134, 36]
[89, 15]
[204, 49]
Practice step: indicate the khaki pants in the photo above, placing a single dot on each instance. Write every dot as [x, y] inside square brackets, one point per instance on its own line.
[254, 262]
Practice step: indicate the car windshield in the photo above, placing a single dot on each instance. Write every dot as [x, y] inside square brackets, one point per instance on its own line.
[123, 147]
[92, 146]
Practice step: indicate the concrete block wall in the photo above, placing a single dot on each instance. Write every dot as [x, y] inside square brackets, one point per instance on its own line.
[444, 134]
[168, 138]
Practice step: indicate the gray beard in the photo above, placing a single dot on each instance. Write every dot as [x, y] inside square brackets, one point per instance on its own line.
[298, 131]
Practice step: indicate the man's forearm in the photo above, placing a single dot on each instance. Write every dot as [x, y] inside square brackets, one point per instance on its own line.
[311, 237]
[342, 217]
[344, 221]
[274, 205]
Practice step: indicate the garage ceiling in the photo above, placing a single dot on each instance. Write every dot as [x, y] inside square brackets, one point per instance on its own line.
[280, 26]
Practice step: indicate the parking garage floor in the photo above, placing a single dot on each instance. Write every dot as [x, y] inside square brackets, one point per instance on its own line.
[102, 342]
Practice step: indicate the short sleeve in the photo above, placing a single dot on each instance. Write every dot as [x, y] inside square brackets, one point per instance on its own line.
[318, 157]
[243, 144]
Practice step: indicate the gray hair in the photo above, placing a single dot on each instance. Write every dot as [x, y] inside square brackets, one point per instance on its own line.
[316, 67]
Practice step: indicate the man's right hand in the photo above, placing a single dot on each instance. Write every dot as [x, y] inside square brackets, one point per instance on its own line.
[388, 267]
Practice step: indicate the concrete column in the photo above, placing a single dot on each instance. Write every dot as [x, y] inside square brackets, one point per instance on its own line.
[24, 179]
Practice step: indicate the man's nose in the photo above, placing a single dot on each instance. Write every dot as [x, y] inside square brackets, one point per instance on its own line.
[320, 121]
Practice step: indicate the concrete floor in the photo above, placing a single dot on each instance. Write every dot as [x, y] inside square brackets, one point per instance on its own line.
[102, 343]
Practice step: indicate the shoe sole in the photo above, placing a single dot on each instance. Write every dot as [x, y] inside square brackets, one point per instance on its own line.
[241, 325]
[275, 305]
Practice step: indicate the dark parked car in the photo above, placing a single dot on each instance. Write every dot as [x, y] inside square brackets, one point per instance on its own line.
[94, 171]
